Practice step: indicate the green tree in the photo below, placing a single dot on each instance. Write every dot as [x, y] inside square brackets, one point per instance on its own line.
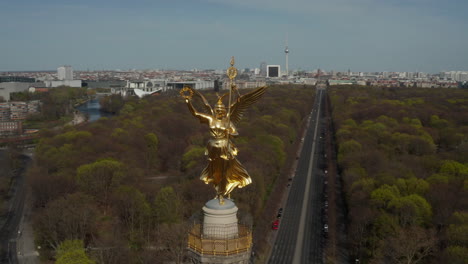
[350, 122]
[127, 108]
[72, 252]
[100, 178]
[384, 195]
[167, 206]
[438, 122]
[412, 210]
[152, 143]
[365, 184]
[458, 231]
[410, 245]
[112, 103]
[457, 236]
[192, 157]
[132, 207]
[276, 145]
[348, 148]
[69, 217]
[456, 254]
[173, 237]
[412, 185]
[454, 169]
[420, 145]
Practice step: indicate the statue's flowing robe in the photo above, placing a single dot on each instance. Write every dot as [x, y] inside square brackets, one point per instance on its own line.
[224, 171]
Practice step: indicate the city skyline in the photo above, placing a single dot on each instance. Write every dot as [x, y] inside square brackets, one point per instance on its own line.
[365, 35]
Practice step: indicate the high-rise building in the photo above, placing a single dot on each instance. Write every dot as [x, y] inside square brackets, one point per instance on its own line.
[263, 69]
[273, 71]
[65, 73]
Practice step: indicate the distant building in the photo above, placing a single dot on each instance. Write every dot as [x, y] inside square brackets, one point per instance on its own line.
[16, 79]
[141, 87]
[105, 84]
[245, 84]
[6, 88]
[18, 110]
[147, 85]
[273, 71]
[11, 128]
[341, 82]
[4, 112]
[65, 73]
[308, 81]
[198, 85]
[71, 83]
[263, 69]
[460, 76]
[65, 78]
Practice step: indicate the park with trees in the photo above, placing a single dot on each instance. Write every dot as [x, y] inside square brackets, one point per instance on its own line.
[124, 187]
[403, 159]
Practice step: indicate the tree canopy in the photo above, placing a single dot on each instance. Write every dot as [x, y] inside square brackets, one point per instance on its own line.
[138, 172]
[403, 154]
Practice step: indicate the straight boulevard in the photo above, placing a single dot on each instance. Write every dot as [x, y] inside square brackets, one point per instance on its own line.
[10, 221]
[299, 237]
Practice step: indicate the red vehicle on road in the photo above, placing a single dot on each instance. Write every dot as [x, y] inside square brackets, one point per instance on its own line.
[275, 225]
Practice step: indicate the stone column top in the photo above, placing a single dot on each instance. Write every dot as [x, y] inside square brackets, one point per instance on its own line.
[214, 204]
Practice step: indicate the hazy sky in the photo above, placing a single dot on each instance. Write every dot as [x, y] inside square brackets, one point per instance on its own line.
[362, 35]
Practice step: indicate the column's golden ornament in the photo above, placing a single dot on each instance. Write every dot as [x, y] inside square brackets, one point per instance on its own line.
[231, 71]
[223, 171]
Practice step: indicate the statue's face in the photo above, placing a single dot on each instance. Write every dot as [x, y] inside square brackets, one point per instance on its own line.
[220, 113]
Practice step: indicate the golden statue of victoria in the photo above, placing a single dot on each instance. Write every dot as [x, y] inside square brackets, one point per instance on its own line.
[223, 171]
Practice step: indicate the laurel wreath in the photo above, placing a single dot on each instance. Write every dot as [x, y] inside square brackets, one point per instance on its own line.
[186, 93]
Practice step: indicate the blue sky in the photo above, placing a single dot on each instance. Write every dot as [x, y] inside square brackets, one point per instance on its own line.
[361, 35]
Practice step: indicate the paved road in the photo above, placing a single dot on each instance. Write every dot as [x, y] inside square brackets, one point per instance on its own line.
[299, 237]
[11, 220]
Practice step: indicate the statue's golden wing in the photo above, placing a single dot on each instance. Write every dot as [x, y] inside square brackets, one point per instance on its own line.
[243, 102]
[208, 108]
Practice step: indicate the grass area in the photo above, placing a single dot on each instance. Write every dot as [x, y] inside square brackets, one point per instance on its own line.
[43, 124]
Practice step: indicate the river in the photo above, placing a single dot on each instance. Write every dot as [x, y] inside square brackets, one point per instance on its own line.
[91, 108]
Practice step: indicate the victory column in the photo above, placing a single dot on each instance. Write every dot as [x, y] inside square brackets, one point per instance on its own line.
[219, 237]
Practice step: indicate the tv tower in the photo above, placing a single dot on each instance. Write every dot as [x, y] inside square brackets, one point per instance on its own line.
[286, 51]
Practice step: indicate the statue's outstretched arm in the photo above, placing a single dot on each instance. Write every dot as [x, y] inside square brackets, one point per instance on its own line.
[202, 117]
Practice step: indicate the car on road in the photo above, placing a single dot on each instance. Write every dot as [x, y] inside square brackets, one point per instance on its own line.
[325, 228]
[280, 213]
[275, 225]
